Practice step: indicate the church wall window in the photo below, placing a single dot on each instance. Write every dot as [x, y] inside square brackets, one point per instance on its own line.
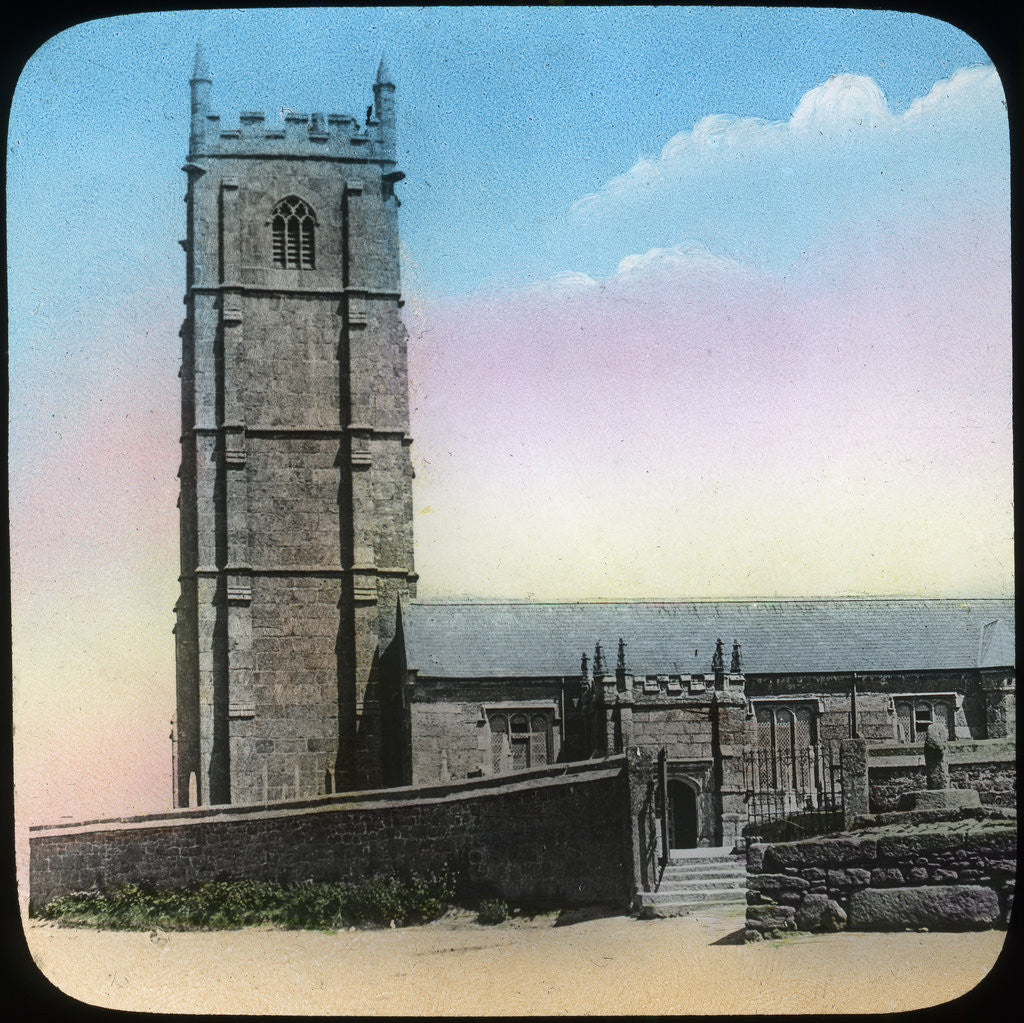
[293, 235]
[519, 740]
[915, 714]
[786, 736]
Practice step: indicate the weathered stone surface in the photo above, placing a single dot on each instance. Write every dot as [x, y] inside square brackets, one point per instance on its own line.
[935, 759]
[821, 852]
[937, 907]
[1001, 844]
[755, 856]
[849, 877]
[771, 917]
[939, 799]
[883, 876]
[820, 913]
[769, 883]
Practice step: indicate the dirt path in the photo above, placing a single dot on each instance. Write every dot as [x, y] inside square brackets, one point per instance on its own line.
[455, 966]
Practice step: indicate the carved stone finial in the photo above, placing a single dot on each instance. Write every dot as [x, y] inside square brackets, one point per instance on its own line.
[584, 664]
[735, 666]
[718, 661]
[598, 659]
[622, 655]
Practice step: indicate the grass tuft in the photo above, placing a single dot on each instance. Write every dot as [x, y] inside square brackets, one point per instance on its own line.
[218, 905]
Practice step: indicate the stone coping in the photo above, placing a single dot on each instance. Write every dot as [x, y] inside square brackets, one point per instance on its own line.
[964, 751]
[372, 799]
[918, 820]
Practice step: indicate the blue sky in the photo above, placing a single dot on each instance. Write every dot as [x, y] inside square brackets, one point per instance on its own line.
[506, 115]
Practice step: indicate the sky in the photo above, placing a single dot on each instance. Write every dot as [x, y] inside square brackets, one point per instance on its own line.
[702, 303]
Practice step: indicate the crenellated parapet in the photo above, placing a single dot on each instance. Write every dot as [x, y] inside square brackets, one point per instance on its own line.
[336, 136]
[295, 135]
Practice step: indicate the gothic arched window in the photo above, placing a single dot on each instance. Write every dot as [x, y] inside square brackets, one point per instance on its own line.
[293, 229]
[519, 740]
[786, 735]
[914, 715]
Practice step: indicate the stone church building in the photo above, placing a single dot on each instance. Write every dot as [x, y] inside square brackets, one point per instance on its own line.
[305, 664]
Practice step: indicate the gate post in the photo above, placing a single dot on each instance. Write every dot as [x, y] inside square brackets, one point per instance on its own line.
[639, 784]
[663, 792]
[853, 755]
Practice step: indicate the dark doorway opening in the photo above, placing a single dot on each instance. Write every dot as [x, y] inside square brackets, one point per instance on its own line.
[683, 806]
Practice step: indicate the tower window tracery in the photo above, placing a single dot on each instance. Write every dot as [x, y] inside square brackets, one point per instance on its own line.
[293, 231]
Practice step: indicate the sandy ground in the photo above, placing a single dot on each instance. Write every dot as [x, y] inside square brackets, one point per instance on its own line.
[610, 964]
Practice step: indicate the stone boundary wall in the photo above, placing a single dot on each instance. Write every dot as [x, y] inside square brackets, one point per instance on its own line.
[989, 768]
[558, 833]
[951, 876]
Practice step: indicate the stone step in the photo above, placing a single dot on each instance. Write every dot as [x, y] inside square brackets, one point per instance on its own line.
[695, 896]
[687, 907]
[738, 877]
[681, 861]
[669, 910]
[699, 867]
[702, 883]
[738, 869]
[704, 852]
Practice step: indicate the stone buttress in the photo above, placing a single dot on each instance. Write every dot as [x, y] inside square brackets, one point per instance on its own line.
[296, 493]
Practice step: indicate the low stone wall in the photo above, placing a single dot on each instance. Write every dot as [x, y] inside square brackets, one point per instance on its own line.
[956, 874]
[557, 833]
[994, 781]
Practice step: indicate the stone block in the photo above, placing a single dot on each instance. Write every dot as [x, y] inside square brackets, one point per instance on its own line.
[830, 852]
[1007, 866]
[850, 877]
[755, 856]
[939, 799]
[937, 907]
[771, 917]
[820, 913]
[883, 876]
[769, 883]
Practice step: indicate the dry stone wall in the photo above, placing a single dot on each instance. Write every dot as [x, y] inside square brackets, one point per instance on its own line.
[953, 875]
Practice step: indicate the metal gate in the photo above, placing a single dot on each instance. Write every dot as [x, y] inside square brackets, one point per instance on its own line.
[793, 793]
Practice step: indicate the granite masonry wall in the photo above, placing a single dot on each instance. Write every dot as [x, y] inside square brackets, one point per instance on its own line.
[558, 833]
[296, 478]
[989, 767]
[952, 875]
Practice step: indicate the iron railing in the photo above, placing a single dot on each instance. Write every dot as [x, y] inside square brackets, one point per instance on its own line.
[793, 793]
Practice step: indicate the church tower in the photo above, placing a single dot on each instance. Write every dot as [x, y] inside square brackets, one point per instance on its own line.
[296, 479]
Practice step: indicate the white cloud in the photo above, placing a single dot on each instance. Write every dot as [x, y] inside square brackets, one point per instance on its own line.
[693, 257]
[562, 283]
[690, 260]
[842, 103]
[843, 106]
[958, 93]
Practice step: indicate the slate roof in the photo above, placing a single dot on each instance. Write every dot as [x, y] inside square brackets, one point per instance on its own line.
[505, 639]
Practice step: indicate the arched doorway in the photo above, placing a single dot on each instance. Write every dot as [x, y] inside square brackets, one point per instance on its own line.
[682, 800]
